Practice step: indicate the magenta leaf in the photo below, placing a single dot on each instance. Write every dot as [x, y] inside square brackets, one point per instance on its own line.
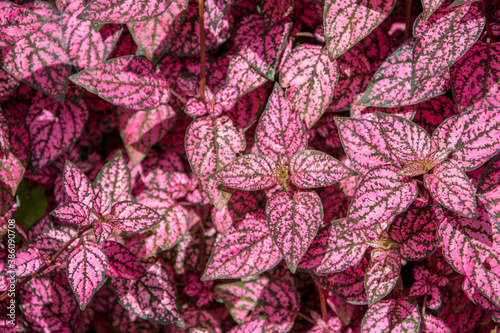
[28, 260]
[240, 203]
[74, 212]
[294, 222]
[407, 141]
[364, 143]
[123, 320]
[433, 324]
[488, 190]
[17, 22]
[244, 249]
[381, 195]
[399, 315]
[273, 12]
[479, 65]
[310, 76]
[346, 24]
[132, 217]
[444, 38]
[158, 199]
[7, 84]
[391, 84]
[114, 179]
[49, 241]
[312, 168]
[451, 187]
[128, 81]
[152, 297]
[121, 262]
[473, 137]
[53, 128]
[104, 11]
[431, 113]
[41, 61]
[140, 130]
[86, 271]
[416, 231]
[240, 74]
[248, 108]
[4, 134]
[76, 184]
[280, 133]
[382, 274]
[241, 298]
[250, 172]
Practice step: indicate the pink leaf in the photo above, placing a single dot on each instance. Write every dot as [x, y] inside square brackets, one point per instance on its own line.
[488, 190]
[444, 39]
[41, 61]
[240, 74]
[127, 81]
[28, 260]
[251, 326]
[479, 65]
[248, 108]
[49, 241]
[104, 11]
[381, 195]
[280, 133]
[4, 134]
[17, 22]
[310, 77]
[74, 212]
[76, 184]
[433, 324]
[132, 217]
[451, 187]
[399, 315]
[124, 321]
[273, 12]
[154, 36]
[86, 270]
[408, 142]
[416, 231]
[422, 166]
[249, 173]
[158, 199]
[152, 297]
[244, 249]
[474, 137]
[364, 144]
[294, 222]
[7, 84]
[53, 128]
[382, 274]
[121, 262]
[240, 203]
[346, 24]
[312, 168]
[114, 179]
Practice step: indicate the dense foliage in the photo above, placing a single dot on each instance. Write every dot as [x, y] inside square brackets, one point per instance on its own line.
[250, 166]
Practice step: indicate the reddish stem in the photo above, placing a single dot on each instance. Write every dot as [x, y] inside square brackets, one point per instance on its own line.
[322, 300]
[408, 20]
[201, 21]
[21, 232]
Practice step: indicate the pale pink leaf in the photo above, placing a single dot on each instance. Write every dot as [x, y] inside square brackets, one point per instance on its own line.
[488, 190]
[104, 11]
[382, 274]
[17, 22]
[114, 179]
[121, 262]
[27, 261]
[399, 315]
[157, 199]
[433, 324]
[73, 212]
[132, 217]
[240, 74]
[76, 184]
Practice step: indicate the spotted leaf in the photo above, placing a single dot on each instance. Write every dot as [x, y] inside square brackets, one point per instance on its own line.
[399, 315]
[382, 274]
[312, 168]
[28, 260]
[73, 212]
[114, 179]
[488, 190]
[408, 142]
[381, 195]
[240, 74]
[132, 217]
[121, 262]
[7, 84]
[128, 81]
[346, 24]
[104, 11]
[280, 133]
[434, 324]
[416, 231]
[49, 241]
[86, 270]
[41, 61]
[473, 137]
[294, 222]
[419, 167]
[250, 172]
[451, 187]
[17, 22]
[76, 184]
[310, 77]
[153, 297]
[444, 38]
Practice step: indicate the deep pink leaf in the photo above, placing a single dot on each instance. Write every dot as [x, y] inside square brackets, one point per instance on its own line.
[240, 203]
[280, 133]
[74, 212]
[399, 315]
[382, 274]
[431, 113]
[310, 76]
[28, 260]
[7, 84]
[127, 81]
[249, 173]
[488, 190]
[433, 324]
[476, 297]
[451, 187]
[132, 217]
[335, 203]
[121, 262]
[273, 12]
[41, 61]
[76, 184]
[346, 24]
[216, 9]
[294, 222]
[157, 199]
[123, 320]
[104, 11]
[312, 168]
[17, 22]
[152, 297]
[248, 108]
[4, 134]
[86, 270]
[473, 136]
[364, 143]
[381, 195]
[114, 179]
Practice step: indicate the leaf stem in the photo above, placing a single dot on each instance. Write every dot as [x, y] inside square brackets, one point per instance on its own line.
[408, 20]
[179, 97]
[82, 319]
[21, 232]
[322, 300]
[51, 263]
[304, 317]
[489, 19]
[201, 21]
[304, 34]
[423, 306]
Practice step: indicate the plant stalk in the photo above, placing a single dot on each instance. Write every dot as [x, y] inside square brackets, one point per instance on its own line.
[489, 19]
[322, 300]
[201, 21]
[408, 20]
